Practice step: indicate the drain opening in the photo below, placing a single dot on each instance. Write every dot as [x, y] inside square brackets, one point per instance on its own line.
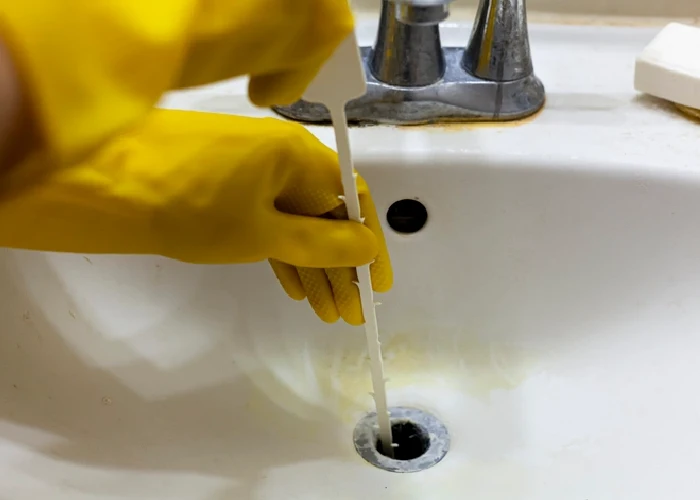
[407, 216]
[410, 440]
[420, 440]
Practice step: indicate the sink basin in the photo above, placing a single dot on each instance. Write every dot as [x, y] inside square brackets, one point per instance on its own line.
[547, 313]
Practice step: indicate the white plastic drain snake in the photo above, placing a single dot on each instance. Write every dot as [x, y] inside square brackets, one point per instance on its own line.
[341, 79]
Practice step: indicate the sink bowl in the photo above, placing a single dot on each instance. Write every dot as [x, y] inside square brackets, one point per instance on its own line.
[547, 313]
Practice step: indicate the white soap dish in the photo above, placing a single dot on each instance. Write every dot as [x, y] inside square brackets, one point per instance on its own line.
[669, 67]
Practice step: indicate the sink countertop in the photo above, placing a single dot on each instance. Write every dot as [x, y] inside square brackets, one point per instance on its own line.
[592, 115]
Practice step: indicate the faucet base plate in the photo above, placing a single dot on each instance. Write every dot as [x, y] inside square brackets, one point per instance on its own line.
[458, 96]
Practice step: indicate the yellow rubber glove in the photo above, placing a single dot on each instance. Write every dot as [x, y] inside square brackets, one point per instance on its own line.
[95, 68]
[210, 188]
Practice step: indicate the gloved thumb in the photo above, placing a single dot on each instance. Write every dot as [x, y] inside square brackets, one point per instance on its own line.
[279, 88]
[322, 243]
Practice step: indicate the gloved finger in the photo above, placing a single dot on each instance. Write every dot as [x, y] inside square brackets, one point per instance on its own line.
[346, 293]
[318, 291]
[232, 38]
[289, 279]
[315, 188]
[380, 269]
[320, 243]
[280, 88]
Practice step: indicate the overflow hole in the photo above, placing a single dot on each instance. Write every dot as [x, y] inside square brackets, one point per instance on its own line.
[410, 440]
[407, 216]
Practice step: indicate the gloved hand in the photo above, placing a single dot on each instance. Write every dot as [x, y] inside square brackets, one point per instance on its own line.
[210, 188]
[95, 68]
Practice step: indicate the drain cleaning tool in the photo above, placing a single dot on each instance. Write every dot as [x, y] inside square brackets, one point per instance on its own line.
[341, 79]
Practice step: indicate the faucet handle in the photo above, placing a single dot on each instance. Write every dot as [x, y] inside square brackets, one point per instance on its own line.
[499, 47]
[407, 54]
[422, 12]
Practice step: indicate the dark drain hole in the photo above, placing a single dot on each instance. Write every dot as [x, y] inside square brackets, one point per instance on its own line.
[410, 440]
[407, 216]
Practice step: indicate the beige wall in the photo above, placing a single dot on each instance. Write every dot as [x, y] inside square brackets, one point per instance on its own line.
[652, 8]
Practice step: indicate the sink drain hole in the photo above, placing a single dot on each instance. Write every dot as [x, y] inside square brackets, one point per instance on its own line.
[407, 216]
[410, 441]
[420, 440]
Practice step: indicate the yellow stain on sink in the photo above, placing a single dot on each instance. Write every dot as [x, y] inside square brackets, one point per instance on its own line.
[413, 360]
[693, 113]
[460, 125]
[318, 376]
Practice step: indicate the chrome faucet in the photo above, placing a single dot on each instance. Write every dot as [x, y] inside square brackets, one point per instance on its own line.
[413, 79]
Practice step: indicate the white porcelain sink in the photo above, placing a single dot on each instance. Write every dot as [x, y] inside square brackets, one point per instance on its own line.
[548, 314]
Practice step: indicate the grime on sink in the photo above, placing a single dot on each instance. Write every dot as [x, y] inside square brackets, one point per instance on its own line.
[692, 113]
[335, 375]
[447, 126]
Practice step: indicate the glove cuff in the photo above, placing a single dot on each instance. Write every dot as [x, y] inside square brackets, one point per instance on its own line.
[91, 69]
